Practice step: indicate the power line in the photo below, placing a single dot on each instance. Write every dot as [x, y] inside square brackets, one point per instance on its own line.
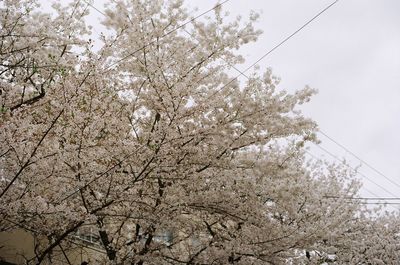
[291, 35]
[364, 198]
[363, 175]
[95, 8]
[260, 59]
[370, 192]
[166, 34]
[337, 197]
[282, 42]
[381, 203]
[360, 159]
[242, 73]
[358, 198]
[230, 65]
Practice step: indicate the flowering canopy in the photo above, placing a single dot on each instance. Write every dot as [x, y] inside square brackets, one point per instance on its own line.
[152, 144]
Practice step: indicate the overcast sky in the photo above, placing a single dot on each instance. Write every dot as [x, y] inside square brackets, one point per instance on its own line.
[351, 54]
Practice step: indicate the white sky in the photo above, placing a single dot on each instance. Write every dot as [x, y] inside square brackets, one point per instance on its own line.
[351, 54]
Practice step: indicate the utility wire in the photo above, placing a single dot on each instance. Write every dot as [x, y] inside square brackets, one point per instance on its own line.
[282, 42]
[164, 35]
[95, 8]
[260, 59]
[364, 198]
[382, 203]
[358, 198]
[360, 159]
[291, 35]
[230, 65]
[363, 175]
[242, 73]
[315, 157]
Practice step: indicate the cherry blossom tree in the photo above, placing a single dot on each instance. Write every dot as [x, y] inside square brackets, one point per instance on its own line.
[152, 144]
